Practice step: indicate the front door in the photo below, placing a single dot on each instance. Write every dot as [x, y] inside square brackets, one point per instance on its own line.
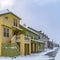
[26, 49]
[15, 33]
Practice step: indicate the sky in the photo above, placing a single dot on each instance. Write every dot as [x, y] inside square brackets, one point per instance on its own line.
[39, 14]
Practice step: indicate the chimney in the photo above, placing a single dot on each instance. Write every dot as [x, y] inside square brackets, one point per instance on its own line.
[24, 25]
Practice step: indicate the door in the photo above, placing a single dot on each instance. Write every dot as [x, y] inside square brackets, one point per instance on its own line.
[26, 49]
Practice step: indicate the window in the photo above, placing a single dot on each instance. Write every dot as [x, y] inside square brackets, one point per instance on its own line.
[35, 38]
[6, 32]
[6, 18]
[39, 37]
[31, 37]
[15, 22]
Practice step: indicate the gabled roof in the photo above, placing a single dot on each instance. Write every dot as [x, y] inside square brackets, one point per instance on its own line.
[7, 12]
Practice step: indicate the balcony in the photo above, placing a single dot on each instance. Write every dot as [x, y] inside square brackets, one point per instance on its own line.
[27, 39]
[37, 40]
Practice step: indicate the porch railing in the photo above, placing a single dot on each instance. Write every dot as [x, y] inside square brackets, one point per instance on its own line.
[13, 37]
[18, 37]
[26, 39]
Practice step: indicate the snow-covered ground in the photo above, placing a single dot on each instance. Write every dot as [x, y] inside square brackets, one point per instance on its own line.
[37, 56]
[58, 55]
[32, 57]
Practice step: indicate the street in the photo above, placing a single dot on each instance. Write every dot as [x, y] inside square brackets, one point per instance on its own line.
[52, 54]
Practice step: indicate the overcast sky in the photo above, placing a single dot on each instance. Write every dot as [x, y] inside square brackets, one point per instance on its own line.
[39, 14]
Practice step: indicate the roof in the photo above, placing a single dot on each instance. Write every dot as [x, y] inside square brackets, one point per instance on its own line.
[38, 32]
[33, 29]
[7, 11]
[30, 30]
[4, 11]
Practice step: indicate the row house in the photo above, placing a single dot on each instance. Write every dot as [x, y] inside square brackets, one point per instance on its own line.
[16, 39]
[42, 37]
[36, 44]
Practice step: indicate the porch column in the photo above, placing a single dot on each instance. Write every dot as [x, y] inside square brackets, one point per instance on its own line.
[29, 46]
[22, 50]
[0, 49]
[33, 47]
[1, 36]
[36, 47]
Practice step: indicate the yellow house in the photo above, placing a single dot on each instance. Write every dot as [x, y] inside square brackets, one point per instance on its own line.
[9, 25]
[31, 36]
[12, 41]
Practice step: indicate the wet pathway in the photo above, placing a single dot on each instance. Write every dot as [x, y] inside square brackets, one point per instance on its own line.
[52, 54]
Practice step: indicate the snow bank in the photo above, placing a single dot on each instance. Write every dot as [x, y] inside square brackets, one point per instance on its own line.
[49, 50]
[33, 58]
[58, 55]
[5, 58]
[27, 58]
[37, 56]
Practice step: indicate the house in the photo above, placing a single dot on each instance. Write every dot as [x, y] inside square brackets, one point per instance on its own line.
[50, 44]
[16, 39]
[43, 37]
[36, 44]
[9, 27]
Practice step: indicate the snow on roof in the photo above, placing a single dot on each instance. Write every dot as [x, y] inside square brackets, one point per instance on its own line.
[30, 30]
[33, 31]
[7, 11]
[4, 11]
